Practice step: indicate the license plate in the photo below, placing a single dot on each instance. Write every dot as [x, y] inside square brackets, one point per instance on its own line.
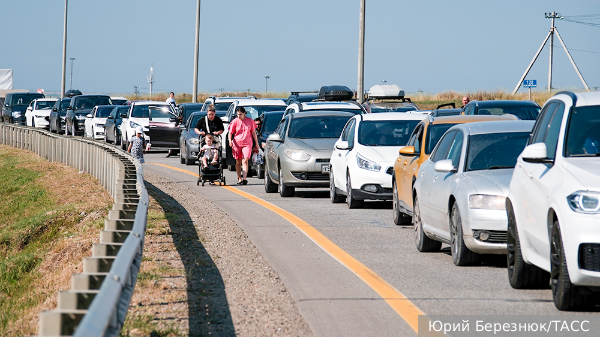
[325, 168]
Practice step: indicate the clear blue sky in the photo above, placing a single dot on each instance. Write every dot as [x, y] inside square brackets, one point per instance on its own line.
[428, 45]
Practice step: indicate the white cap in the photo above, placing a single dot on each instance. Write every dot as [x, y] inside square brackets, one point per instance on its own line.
[139, 129]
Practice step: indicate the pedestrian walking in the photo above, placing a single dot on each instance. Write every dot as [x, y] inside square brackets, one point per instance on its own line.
[137, 145]
[242, 131]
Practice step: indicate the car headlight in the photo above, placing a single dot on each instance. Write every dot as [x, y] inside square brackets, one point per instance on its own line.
[585, 202]
[133, 124]
[16, 114]
[366, 164]
[193, 141]
[297, 155]
[80, 117]
[483, 201]
[62, 118]
[36, 116]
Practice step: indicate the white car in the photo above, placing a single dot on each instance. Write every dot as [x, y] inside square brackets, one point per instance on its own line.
[139, 115]
[94, 124]
[553, 203]
[38, 112]
[362, 161]
[461, 189]
[349, 106]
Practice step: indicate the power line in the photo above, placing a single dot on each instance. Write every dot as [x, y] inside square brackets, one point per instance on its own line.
[597, 25]
[586, 51]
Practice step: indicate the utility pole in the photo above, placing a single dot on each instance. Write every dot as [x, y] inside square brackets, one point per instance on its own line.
[151, 79]
[196, 53]
[64, 56]
[267, 83]
[553, 30]
[360, 88]
[71, 83]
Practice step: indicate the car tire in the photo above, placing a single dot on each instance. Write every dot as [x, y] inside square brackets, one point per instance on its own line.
[188, 161]
[285, 191]
[270, 186]
[400, 219]
[352, 203]
[181, 159]
[123, 144]
[566, 295]
[117, 138]
[422, 241]
[260, 171]
[461, 255]
[521, 275]
[333, 196]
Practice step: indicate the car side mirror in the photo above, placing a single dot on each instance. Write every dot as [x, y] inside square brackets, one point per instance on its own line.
[88, 115]
[109, 117]
[54, 109]
[342, 145]
[536, 153]
[274, 137]
[407, 151]
[69, 108]
[444, 166]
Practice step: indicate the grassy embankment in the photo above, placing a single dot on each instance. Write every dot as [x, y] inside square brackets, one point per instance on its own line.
[425, 101]
[49, 217]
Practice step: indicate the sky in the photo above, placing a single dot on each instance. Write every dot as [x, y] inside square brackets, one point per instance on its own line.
[426, 45]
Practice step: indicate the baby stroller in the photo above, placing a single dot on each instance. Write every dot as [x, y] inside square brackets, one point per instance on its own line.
[212, 172]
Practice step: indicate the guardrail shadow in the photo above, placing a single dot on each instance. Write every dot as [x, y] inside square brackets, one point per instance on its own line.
[208, 309]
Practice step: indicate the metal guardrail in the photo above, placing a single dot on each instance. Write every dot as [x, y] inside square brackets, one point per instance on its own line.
[99, 298]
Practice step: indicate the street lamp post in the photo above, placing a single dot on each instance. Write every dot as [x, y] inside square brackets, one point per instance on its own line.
[71, 83]
[267, 83]
[64, 56]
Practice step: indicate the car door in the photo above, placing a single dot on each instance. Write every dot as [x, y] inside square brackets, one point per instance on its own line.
[338, 161]
[408, 170]
[442, 185]
[89, 121]
[29, 114]
[427, 175]
[535, 203]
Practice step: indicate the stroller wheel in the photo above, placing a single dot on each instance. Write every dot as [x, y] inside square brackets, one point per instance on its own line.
[223, 181]
[198, 182]
[203, 181]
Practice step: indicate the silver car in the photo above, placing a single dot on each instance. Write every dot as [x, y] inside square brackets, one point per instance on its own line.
[189, 144]
[298, 153]
[461, 189]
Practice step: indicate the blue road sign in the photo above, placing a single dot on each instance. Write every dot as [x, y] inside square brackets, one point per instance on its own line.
[530, 83]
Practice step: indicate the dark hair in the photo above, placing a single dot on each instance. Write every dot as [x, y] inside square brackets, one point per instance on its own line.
[211, 107]
[240, 109]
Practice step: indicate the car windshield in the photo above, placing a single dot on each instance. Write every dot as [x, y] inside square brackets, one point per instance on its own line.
[391, 107]
[118, 101]
[161, 113]
[524, 112]
[495, 150]
[385, 133]
[256, 110]
[434, 133]
[222, 106]
[195, 120]
[143, 111]
[43, 105]
[64, 104]
[90, 102]
[583, 132]
[25, 99]
[103, 112]
[271, 121]
[317, 127]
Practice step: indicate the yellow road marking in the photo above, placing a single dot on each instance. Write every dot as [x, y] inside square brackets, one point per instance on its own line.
[394, 298]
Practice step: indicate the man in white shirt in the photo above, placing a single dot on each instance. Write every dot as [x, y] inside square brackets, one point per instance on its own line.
[171, 99]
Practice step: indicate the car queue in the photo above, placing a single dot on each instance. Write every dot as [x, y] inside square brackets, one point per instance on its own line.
[503, 177]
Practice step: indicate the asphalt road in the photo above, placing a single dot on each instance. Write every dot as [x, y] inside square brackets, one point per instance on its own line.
[331, 297]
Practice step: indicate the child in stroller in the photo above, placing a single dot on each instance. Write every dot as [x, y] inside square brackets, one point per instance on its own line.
[211, 168]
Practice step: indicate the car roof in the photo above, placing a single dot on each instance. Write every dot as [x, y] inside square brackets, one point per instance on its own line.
[495, 127]
[328, 105]
[505, 103]
[249, 102]
[227, 99]
[388, 116]
[586, 98]
[195, 113]
[117, 97]
[148, 102]
[469, 118]
[322, 114]
[190, 104]
[46, 99]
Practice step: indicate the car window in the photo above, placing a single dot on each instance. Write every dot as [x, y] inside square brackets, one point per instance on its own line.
[317, 127]
[523, 112]
[281, 128]
[434, 133]
[160, 114]
[495, 150]
[415, 139]
[554, 130]
[583, 132]
[351, 130]
[386, 133]
[43, 105]
[270, 122]
[346, 130]
[539, 131]
[456, 149]
[469, 109]
[442, 149]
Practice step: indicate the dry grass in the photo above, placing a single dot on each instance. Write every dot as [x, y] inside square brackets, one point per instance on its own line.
[73, 208]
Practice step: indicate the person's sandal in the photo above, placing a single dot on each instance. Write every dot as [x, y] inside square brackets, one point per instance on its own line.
[245, 182]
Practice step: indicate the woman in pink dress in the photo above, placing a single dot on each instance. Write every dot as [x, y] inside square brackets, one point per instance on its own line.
[243, 131]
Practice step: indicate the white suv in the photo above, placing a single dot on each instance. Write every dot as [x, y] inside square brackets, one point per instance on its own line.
[349, 106]
[139, 115]
[553, 203]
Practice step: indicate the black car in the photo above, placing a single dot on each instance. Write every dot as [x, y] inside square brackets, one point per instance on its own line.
[186, 110]
[78, 110]
[59, 115]
[268, 123]
[112, 127]
[15, 105]
[301, 96]
[524, 110]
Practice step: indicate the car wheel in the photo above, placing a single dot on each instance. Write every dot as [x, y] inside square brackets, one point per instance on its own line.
[123, 144]
[284, 190]
[566, 295]
[423, 243]
[181, 159]
[461, 255]
[188, 161]
[260, 171]
[270, 186]
[400, 218]
[352, 203]
[333, 196]
[521, 275]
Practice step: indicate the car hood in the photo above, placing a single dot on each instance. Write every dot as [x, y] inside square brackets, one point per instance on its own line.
[99, 120]
[586, 170]
[44, 112]
[318, 144]
[21, 108]
[83, 111]
[495, 182]
[381, 154]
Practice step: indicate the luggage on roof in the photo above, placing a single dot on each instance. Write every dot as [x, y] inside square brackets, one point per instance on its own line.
[335, 93]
